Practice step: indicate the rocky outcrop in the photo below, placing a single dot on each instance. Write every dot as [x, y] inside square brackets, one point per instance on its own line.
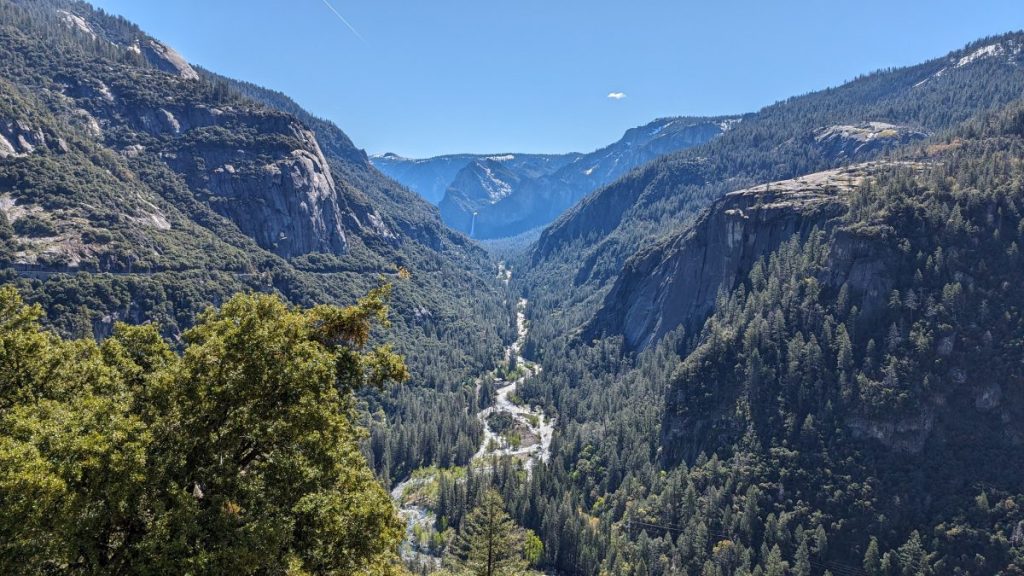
[676, 283]
[76, 22]
[263, 169]
[288, 206]
[279, 189]
[160, 56]
[865, 140]
[18, 138]
[168, 60]
[907, 434]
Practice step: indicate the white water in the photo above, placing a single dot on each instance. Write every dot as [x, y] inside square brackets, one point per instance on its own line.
[535, 446]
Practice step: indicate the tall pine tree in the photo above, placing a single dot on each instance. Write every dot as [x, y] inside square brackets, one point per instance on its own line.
[490, 543]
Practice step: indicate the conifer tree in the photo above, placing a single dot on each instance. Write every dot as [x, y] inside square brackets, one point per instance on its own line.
[490, 543]
[872, 559]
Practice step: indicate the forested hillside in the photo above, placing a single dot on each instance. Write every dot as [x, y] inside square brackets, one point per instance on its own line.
[794, 348]
[134, 187]
[855, 122]
[843, 407]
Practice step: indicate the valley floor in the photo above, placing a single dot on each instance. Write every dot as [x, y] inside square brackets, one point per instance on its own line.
[527, 439]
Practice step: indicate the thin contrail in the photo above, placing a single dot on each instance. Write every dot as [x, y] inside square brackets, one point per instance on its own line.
[342, 18]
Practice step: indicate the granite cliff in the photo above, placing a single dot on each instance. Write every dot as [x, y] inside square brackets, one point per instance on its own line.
[676, 283]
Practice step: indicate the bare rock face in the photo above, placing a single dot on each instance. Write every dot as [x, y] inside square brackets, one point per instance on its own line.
[904, 435]
[18, 138]
[288, 206]
[21, 138]
[262, 169]
[167, 59]
[76, 22]
[676, 283]
[161, 56]
[281, 192]
[864, 140]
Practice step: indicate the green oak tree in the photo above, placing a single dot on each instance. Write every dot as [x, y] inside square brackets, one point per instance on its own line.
[237, 456]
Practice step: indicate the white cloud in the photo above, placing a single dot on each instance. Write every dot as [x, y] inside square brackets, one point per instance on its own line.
[616, 95]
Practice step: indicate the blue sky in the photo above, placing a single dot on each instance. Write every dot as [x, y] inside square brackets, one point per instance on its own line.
[426, 77]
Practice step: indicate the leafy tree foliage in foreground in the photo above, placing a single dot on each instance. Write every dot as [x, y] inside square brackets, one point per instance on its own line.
[239, 456]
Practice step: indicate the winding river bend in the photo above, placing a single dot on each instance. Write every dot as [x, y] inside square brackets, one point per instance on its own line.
[524, 433]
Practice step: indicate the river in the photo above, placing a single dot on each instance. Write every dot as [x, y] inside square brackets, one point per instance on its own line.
[528, 439]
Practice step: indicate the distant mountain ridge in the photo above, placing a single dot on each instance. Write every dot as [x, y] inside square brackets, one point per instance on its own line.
[431, 177]
[502, 195]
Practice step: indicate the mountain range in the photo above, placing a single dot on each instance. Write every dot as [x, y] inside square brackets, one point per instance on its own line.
[504, 195]
[783, 342]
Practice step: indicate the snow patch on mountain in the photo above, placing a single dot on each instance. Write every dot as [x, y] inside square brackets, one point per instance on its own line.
[658, 129]
[1010, 49]
[495, 187]
[983, 52]
[729, 123]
